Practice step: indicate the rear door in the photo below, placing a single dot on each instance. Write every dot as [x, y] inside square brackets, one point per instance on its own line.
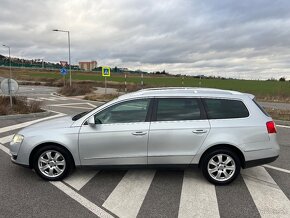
[177, 130]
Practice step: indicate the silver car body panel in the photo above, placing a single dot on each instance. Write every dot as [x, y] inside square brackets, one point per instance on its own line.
[166, 142]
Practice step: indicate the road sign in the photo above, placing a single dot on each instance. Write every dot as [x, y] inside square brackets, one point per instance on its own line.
[106, 71]
[6, 83]
[63, 71]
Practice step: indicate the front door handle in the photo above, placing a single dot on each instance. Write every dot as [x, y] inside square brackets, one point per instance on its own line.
[199, 131]
[139, 133]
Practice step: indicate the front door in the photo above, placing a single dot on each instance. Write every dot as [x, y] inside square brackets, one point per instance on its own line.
[119, 137]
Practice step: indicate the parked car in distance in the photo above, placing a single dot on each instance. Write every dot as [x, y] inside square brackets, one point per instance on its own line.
[219, 131]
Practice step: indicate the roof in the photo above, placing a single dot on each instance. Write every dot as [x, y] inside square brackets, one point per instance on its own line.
[185, 91]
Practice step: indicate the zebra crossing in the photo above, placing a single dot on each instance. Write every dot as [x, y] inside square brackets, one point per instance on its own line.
[171, 193]
[48, 98]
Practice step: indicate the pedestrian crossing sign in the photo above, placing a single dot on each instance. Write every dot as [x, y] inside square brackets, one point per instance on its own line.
[106, 71]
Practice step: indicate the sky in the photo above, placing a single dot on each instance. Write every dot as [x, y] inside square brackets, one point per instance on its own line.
[247, 39]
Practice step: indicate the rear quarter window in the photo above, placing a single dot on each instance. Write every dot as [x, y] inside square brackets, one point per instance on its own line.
[225, 108]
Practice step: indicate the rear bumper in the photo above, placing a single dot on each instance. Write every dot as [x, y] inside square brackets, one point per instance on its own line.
[258, 162]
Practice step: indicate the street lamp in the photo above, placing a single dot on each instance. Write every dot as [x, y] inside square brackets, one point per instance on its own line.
[10, 76]
[68, 36]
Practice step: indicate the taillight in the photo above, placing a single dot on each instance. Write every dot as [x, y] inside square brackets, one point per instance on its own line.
[271, 127]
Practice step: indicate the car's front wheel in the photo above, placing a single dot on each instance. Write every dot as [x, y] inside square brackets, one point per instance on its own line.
[221, 166]
[52, 162]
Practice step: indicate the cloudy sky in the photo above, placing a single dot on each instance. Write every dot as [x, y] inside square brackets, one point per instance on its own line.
[244, 39]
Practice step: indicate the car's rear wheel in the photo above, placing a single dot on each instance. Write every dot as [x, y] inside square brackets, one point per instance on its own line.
[52, 162]
[221, 166]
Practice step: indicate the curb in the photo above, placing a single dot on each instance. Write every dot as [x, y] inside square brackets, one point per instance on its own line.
[2, 117]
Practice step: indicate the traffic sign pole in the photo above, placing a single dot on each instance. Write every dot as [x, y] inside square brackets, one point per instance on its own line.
[106, 72]
[105, 85]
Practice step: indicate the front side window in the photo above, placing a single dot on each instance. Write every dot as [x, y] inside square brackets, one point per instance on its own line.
[125, 112]
[175, 109]
[225, 109]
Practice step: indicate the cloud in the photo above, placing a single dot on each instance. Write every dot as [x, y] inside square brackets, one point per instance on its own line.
[185, 36]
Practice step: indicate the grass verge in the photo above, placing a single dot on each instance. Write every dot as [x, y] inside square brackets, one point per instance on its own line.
[20, 105]
[279, 114]
[76, 89]
[101, 97]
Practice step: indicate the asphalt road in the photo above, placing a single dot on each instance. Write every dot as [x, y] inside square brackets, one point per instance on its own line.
[258, 192]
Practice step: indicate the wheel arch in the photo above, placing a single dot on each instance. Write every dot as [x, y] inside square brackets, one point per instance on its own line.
[224, 146]
[36, 148]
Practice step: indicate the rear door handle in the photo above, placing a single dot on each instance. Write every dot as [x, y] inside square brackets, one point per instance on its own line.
[139, 133]
[199, 131]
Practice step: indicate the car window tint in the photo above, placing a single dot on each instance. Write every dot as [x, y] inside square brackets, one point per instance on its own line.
[174, 109]
[126, 112]
[225, 109]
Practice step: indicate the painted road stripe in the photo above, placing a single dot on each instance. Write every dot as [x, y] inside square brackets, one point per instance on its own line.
[79, 178]
[65, 106]
[129, 194]
[283, 126]
[277, 168]
[5, 149]
[162, 198]
[68, 104]
[235, 200]
[47, 99]
[83, 201]
[21, 125]
[198, 197]
[268, 197]
[99, 188]
[6, 139]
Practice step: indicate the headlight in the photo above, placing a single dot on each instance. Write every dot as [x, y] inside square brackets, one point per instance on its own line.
[17, 138]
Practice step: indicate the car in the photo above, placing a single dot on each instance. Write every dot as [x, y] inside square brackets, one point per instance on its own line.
[219, 131]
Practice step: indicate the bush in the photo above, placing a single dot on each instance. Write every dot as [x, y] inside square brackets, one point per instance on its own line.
[76, 89]
[282, 79]
[20, 105]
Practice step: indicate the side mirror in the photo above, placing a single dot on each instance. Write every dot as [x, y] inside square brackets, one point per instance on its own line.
[91, 121]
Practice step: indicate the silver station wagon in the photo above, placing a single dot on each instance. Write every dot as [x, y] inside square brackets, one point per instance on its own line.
[219, 131]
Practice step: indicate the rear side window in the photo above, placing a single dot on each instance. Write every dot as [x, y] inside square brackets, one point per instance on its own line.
[225, 108]
[174, 109]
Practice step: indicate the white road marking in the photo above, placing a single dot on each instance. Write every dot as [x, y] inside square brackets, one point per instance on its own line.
[34, 99]
[47, 99]
[21, 125]
[268, 197]
[92, 105]
[283, 126]
[129, 194]
[80, 178]
[5, 149]
[81, 200]
[68, 104]
[65, 106]
[6, 139]
[198, 198]
[277, 168]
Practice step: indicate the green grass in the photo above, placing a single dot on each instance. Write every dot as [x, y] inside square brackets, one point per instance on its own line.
[259, 88]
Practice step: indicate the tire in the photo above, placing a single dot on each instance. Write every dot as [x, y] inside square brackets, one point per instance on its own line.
[221, 166]
[52, 162]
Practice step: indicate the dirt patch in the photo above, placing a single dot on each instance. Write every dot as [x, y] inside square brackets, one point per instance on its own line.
[20, 105]
[278, 114]
[101, 97]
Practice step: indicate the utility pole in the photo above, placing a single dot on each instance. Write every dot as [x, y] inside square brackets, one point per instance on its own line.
[10, 76]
